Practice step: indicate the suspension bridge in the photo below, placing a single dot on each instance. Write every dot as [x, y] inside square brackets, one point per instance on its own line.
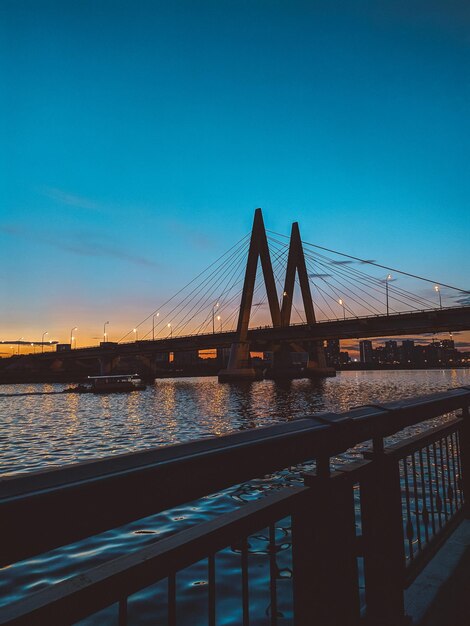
[278, 293]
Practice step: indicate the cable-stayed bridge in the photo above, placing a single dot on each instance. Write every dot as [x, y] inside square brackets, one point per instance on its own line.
[271, 292]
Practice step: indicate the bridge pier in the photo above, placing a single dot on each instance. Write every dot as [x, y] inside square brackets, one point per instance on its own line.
[285, 368]
[160, 363]
[57, 365]
[108, 364]
[239, 365]
[316, 366]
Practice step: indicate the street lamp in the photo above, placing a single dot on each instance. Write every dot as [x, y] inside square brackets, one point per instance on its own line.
[136, 334]
[216, 306]
[153, 325]
[171, 331]
[20, 339]
[104, 332]
[71, 335]
[34, 348]
[344, 310]
[42, 340]
[438, 290]
[219, 319]
[389, 277]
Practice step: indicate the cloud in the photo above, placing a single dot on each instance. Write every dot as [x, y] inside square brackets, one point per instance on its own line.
[342, 262]
[319, 275]
[85, 245]
[99, 249]
[462, 299]
[63, 197]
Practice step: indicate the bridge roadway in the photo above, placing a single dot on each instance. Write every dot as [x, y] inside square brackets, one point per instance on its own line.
[430, 321]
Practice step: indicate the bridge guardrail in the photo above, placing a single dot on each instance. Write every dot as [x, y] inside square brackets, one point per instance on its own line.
[228, 332]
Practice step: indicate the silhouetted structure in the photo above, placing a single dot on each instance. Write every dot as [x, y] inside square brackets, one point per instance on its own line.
[438, 353]
[239, 365]
[297, 349]
[365, 351]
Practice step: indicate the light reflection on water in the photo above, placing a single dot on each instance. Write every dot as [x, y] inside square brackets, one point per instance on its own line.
[50, 430]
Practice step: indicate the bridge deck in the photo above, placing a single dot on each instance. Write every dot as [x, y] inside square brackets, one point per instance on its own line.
[453, 319]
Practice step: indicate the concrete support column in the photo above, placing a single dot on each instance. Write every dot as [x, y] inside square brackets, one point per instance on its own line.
[107, 364]
[239, 364]
[316, 367]
[284, 366]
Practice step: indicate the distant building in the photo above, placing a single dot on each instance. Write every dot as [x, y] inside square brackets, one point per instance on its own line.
[407, 351]
[63, 347]
[332, 353]
[380, 355]
[409, 354]
[366, 351]
[391, 351]
[447, 344]
[344, 358]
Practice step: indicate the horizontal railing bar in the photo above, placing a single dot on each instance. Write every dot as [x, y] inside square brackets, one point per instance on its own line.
[127, 487]
[75, 474]
[417, 442]
[73, 599]
[395, 416]
[111, 465]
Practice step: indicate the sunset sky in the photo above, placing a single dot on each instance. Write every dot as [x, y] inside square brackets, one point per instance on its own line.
[139, 137]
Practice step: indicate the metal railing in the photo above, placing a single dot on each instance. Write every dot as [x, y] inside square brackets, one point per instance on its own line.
[371, 524]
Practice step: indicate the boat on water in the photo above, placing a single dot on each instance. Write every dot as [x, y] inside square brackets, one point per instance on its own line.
[110, 384]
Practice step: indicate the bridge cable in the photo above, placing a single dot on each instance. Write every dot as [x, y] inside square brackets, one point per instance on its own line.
[369, 262]
[188, 284]
[208, 279]
[362, 275]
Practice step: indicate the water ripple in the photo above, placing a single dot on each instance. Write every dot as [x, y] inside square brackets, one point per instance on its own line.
[50, 430]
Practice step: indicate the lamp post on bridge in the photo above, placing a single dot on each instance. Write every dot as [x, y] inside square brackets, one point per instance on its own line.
[344, 310]
[153, 325]
[104, 332]
[71, 335]
[20, 339]
[171, 331]
[219, 319]
[389, 277]
[42, 340]
[216, 306]
[437, 289]
[136, 334]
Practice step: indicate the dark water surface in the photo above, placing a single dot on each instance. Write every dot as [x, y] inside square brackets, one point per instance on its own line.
[40, 431]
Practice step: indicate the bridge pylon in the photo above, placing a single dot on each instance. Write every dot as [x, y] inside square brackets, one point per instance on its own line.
[239, 366]
[282, 365]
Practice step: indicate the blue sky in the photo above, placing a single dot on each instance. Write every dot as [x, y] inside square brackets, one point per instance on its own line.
[138, 137]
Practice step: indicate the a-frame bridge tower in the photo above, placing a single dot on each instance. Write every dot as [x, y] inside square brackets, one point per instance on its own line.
[239, 365]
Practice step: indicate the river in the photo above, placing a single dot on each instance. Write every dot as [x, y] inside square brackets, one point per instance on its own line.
[42, 431]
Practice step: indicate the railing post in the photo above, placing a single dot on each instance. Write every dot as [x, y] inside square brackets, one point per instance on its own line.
[383, 541]
[464, 440]
[326, 586]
